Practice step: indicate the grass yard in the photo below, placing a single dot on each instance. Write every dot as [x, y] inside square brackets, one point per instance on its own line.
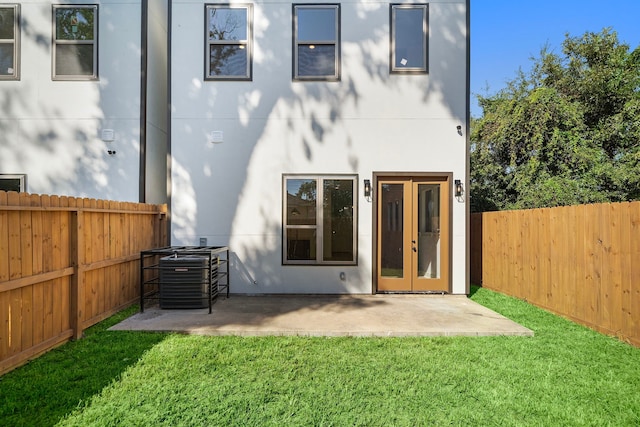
[565, 375]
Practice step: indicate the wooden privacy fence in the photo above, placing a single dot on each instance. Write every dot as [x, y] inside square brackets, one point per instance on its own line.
[65, 264]
[582, 262]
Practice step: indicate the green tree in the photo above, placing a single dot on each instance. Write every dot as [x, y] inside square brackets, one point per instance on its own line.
[567, 132]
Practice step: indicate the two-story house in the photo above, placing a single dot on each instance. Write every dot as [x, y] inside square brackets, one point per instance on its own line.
[325, 143]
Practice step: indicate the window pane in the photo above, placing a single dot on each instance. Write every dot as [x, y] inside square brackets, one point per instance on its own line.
[11, 184]
[7, 18]
[392, 201]
[227, 24]
[301, 201]
[337, 241]
[6, 59]
[74, 60]
[410, 38]
[316, 60]
[429, 256]
[74, 23]
[228, 60]
[301, 244]
[316, 24]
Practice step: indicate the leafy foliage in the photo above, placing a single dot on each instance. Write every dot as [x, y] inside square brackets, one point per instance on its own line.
[564, 133]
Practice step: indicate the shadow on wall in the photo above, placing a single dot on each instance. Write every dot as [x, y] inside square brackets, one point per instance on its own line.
[314, 113]
[51, 130]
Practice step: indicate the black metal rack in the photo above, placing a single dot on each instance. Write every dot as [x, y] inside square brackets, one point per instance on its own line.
[213, 280]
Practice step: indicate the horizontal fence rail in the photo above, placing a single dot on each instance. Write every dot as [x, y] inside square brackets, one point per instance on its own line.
[65, 264]
[582, 262]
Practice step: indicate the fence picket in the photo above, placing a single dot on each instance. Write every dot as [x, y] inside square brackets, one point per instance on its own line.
[614, 268]
[4, 276]
[626, 322]
[606, 227]
[26, 250]
[572, 261]
[598, 255]
[47, 266]
[555, 251]
[4, 239]
[64, 290]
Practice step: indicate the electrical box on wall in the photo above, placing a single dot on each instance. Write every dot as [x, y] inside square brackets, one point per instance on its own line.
[108, 135]
[216, 137]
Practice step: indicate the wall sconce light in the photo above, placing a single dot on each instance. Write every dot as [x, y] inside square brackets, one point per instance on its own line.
[367, 188]
[459, 129]
[458, 188]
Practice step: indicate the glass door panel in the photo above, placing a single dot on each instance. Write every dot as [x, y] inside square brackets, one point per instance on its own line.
[391, 232]
[394, 230]
[430, 262]
[429, 231]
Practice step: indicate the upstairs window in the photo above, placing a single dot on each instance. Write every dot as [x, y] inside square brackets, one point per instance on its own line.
[75, 43]
[9, 42]
[319, 217]
[228, 42]
[316, 42]
[409, 38]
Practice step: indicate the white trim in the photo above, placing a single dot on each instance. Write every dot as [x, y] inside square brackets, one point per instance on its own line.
[13, 73]
[55, 42]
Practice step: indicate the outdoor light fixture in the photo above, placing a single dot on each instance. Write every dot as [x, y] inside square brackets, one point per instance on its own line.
[458, 187]
[367, 188]
[459, 129]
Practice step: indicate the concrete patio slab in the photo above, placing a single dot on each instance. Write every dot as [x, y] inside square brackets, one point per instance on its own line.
[349, 315]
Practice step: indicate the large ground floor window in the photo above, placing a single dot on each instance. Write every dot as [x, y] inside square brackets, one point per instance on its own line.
[319, 216]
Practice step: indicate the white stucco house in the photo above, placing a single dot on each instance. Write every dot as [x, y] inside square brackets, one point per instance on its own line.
[325, 143]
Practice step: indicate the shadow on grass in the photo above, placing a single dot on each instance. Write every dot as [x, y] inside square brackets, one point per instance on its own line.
[48, 388]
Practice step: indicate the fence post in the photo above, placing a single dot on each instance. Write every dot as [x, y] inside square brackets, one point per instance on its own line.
[78, 277]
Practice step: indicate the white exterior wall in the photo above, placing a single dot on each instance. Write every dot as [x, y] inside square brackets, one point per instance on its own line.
[51, 130]
[370, 121]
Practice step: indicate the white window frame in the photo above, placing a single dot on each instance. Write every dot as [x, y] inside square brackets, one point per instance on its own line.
[336, 43]
[424, 67]
[21, 178]
[14, 72]
[242, 44]
[319, 225]
[55, 42]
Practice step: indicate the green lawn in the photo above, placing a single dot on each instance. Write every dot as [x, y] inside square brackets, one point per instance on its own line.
[565, 375]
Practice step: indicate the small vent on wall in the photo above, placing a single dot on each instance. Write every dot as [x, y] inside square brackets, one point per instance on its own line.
[108, 135]
[216, 137]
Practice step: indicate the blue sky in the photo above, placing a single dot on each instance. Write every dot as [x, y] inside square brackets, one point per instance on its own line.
[505, 34]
